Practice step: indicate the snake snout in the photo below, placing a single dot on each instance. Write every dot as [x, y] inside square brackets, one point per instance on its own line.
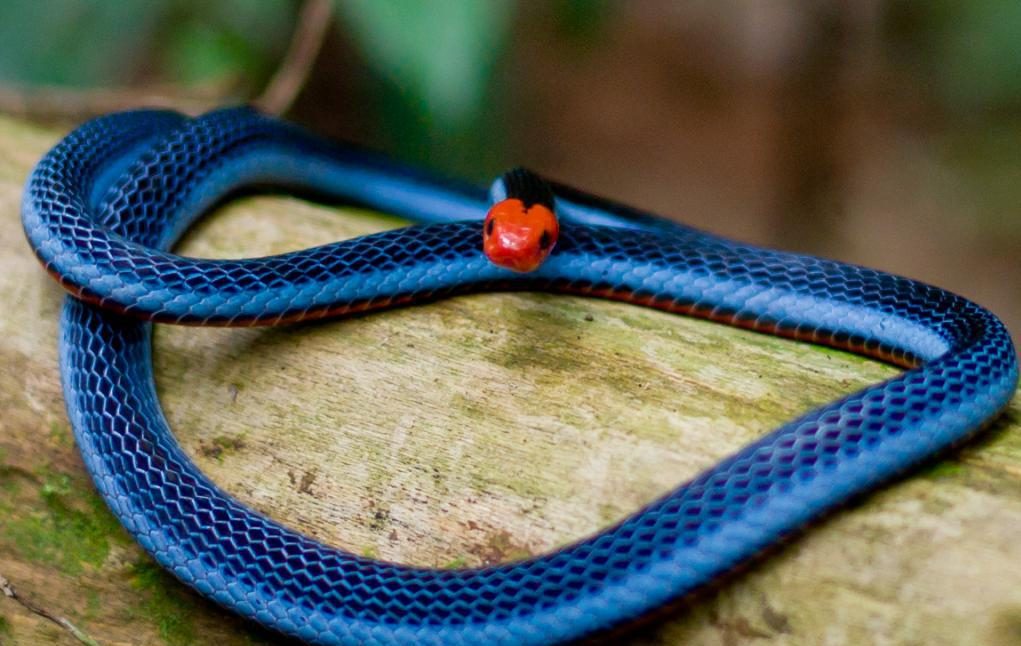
[519, 238]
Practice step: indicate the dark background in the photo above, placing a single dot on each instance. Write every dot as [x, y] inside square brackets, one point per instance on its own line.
[884, 133]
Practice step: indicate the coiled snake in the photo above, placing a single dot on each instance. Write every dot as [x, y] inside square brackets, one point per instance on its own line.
[102, 208]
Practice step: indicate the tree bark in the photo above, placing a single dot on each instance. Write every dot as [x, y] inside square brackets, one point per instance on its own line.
[474, 431]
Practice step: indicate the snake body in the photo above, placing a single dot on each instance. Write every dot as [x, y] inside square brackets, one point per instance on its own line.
[103, 207]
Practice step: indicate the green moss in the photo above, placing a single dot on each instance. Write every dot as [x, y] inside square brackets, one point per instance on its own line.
[165, 602]
[5, 626]
[944, 469]
[609, 514]
[8, 485]
[456, 564]
[223, 446]
[8, 481]
[1007, 627]
[181, 615]
[93, 604]
[55, 485]
[68, 528]
[60, 434]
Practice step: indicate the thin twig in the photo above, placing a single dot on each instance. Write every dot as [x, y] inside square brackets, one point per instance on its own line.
[290, 77]
[8, 591]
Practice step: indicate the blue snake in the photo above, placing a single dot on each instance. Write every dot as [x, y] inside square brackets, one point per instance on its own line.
[103, 207]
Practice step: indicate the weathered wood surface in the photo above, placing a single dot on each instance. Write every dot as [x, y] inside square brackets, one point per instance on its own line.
[471, 431]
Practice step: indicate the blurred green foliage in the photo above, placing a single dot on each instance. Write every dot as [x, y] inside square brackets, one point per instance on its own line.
[72, 43]
[90, 43]
[968, 56]
[969, 52]
[439, 53]
[434, 62]
[436, 66]
[224, 39]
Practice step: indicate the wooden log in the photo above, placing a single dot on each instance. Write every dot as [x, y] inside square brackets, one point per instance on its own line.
[474, 431]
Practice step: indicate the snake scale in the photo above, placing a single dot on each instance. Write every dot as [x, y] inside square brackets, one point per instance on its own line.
[103, 207]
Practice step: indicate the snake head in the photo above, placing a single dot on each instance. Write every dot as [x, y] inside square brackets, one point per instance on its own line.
[521, 230]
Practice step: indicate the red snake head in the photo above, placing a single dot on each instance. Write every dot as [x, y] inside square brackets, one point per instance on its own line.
[520, 232]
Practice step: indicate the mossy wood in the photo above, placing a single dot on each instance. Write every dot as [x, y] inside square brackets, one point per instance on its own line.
[474, 431]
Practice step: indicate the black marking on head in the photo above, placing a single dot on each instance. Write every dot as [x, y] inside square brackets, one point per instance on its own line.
[489, 226]
[528, 187]
[545, 240]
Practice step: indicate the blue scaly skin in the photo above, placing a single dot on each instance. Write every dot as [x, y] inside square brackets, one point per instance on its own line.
[101, 209]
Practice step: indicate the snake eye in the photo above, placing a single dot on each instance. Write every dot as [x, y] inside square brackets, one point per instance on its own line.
[544, 240]
[489, 227]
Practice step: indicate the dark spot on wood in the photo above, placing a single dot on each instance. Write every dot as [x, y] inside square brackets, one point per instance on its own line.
[220, 446]
[379, 520]
[500, 547]
[775, 619]
[305, 485]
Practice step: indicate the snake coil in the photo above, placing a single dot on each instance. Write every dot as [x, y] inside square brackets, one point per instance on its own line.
[103, 207]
